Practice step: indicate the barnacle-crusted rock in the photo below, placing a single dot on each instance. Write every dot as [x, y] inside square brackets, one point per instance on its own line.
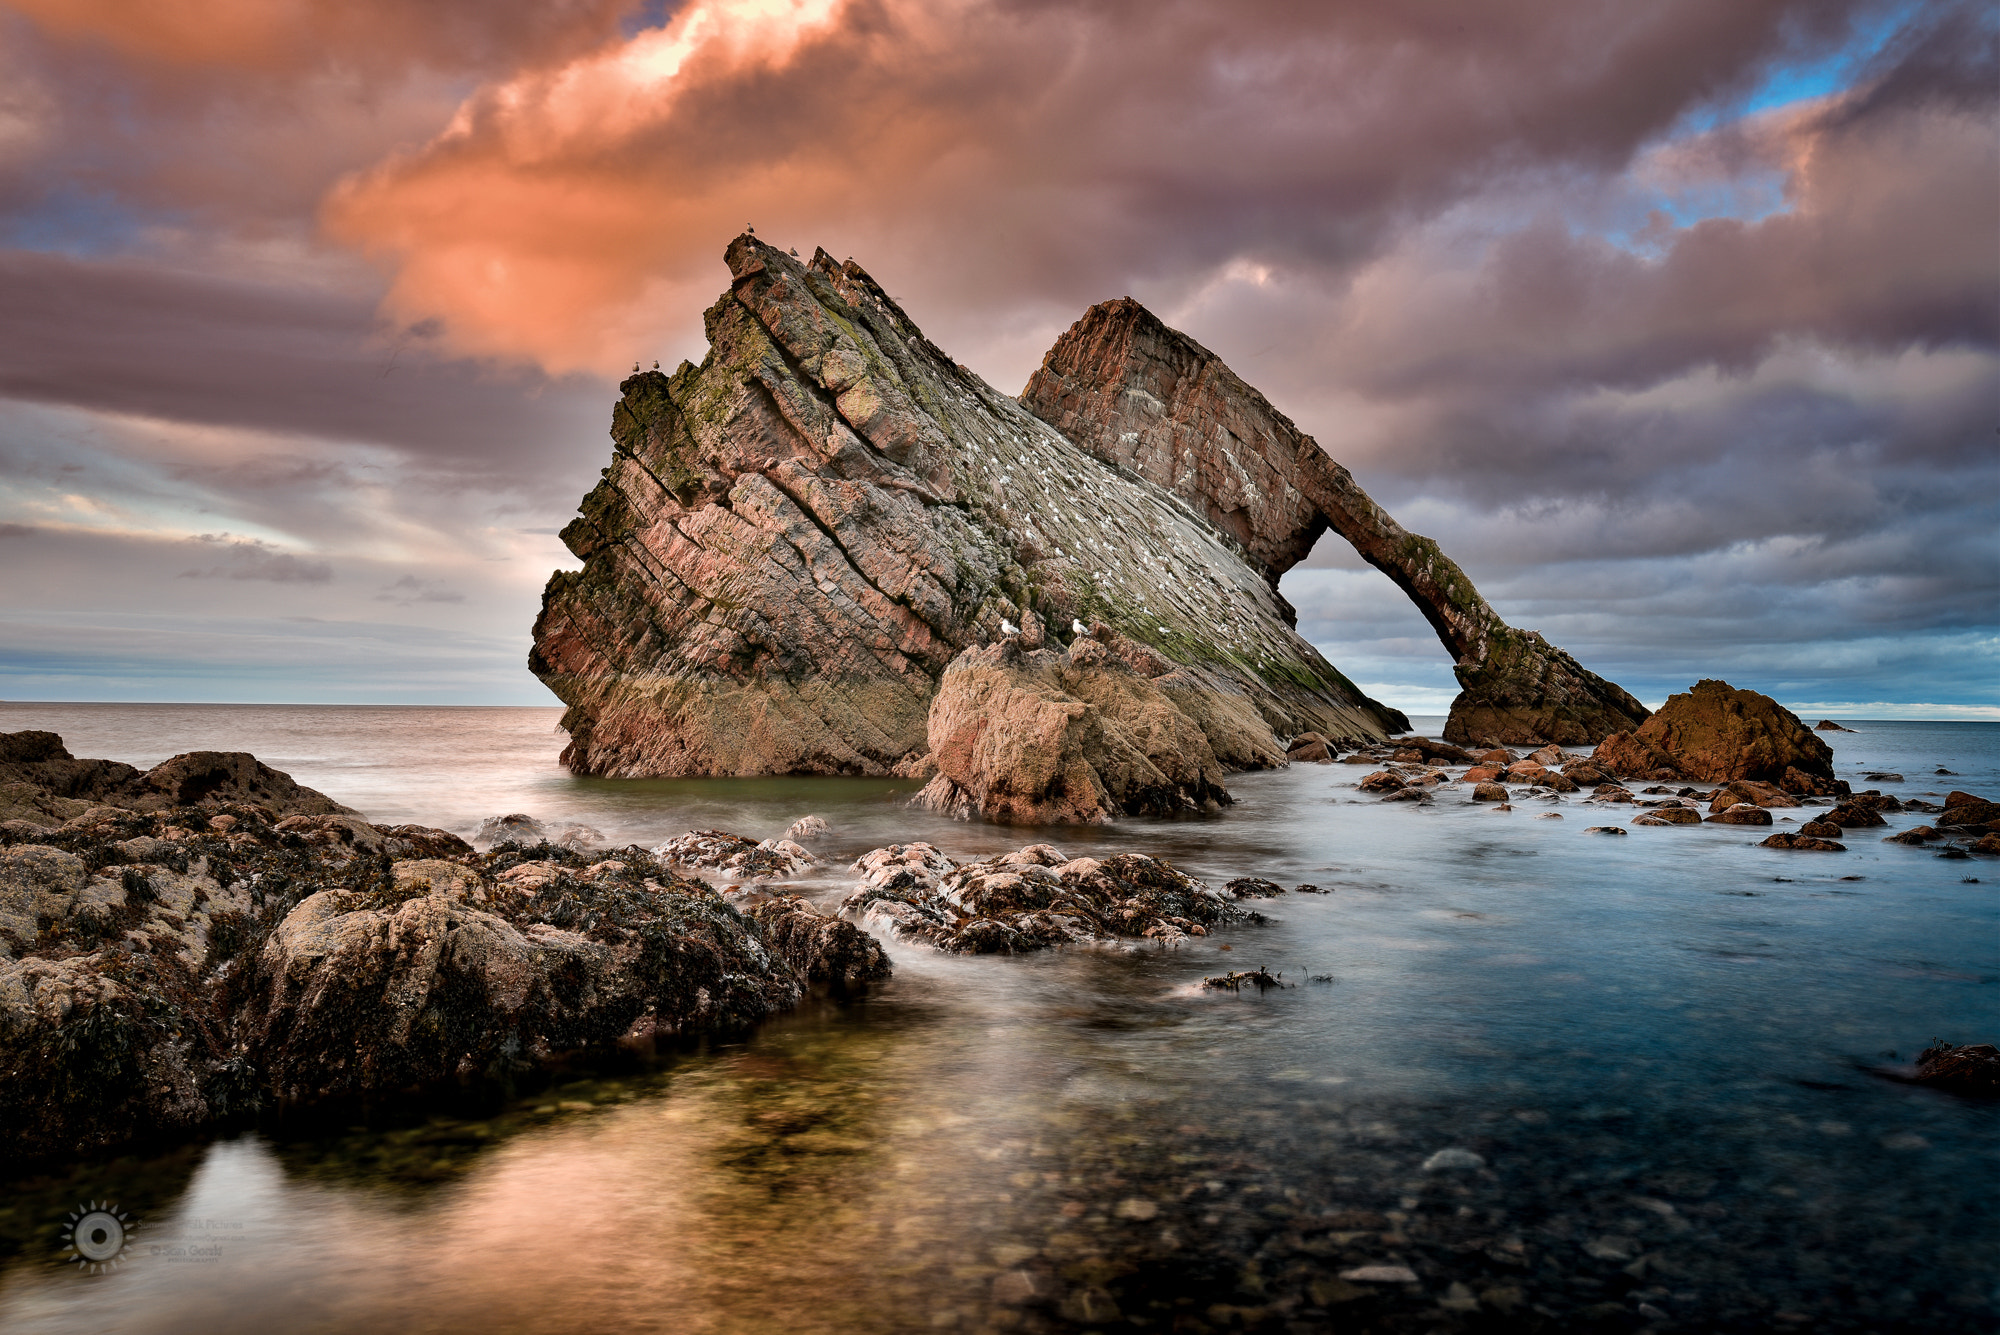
[826, 951]
[1040, 737]
[1145, 397]
[795, 538]
[1034, 898]
[735, 855]
[1715, 733]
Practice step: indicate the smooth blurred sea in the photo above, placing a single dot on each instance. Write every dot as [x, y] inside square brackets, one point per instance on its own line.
[1661, 1045]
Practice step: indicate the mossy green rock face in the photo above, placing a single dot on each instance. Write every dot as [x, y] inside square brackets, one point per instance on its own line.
[796, 537]
[1147, 398]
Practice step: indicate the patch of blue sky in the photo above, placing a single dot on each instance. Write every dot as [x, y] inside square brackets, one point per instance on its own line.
[1818, 75]
[1753, 196]
[648, 14]
[88, 224]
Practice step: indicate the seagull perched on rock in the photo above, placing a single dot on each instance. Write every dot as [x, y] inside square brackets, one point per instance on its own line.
[1077, 627]
[1008, 628]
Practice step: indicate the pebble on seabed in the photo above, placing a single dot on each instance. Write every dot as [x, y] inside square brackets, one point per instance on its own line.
[1453, 1160]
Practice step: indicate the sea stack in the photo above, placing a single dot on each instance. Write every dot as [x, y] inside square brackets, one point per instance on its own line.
[1148, 398]
[797, 537]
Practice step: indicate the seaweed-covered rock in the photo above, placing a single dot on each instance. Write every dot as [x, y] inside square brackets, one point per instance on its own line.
[1035, 898]
[163, 970]
[1715, 733]
[827, 952]
[735, 855]
[1040, 737]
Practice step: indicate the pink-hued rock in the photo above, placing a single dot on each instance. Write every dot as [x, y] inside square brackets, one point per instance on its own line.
[1146, 397]
[1036, 737]
[796, 538]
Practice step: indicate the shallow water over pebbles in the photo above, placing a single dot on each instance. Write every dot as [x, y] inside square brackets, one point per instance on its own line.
[1657, 1047]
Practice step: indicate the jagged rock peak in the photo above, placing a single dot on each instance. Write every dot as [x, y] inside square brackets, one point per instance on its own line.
[1140, 395]
[796, 537]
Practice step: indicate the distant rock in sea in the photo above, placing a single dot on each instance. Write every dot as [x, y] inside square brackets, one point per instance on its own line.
[1717, 732]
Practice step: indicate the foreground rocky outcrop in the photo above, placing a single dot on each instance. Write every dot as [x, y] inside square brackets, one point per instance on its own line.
[161, 969]
[796, 538]
[1717, 732]
[1033, 899]
[1148, 398]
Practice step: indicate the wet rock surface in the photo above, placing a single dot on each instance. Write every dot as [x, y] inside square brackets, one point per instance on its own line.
[1973, 1068]
[1148, 398]
[1716, 733]
[1033, 899]
[166, 968]
[795, 538]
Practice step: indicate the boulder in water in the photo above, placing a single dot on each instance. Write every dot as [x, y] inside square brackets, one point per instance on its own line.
[1037, 737]
[1715, 733]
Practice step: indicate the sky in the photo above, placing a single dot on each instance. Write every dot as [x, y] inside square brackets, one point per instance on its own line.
[1677, 324]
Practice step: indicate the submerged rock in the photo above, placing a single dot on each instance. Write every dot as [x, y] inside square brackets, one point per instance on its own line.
[797, 537]
[1804, 842]
[1032, 899]
[1717, 733]
[1148, 398]
[1971, 1069]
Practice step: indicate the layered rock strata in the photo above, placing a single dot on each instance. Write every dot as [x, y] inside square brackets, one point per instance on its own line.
[1148, 398]
[795, 538]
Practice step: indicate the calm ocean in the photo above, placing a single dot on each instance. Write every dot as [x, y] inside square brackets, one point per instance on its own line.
[1661, 1046]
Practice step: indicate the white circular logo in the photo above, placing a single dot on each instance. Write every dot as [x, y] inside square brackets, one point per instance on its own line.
[96, 1235]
